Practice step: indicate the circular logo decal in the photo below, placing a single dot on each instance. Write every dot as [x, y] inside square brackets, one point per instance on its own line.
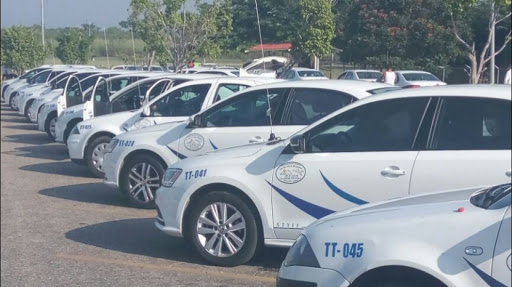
[291, 172]
[194, 142]
[508, 263]
[143, 123]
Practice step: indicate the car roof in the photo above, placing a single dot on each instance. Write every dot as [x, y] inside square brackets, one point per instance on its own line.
[358, 89]
[416, 72]
[357, 71]
[304, 69]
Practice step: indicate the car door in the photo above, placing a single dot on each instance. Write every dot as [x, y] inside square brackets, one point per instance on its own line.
[131, 99]
[238, 121]
[101, 104]
[72, 95]
[362, 155]
[156, 90]
[470, 146]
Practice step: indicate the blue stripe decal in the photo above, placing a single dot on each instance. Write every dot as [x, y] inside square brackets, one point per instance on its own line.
[125, 129]
[213, 146]
[179, 155]
[155, 122]
[487, 278]
[343, 194]
[309, 208]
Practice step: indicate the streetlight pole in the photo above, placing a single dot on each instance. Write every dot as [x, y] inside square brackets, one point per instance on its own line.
[133, 47]
[42, 21]
[106, 46]
[493, 50]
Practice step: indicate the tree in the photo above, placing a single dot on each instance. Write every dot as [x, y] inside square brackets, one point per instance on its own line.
[316, 30]
[73, 46]
[498, 12]
[180, 35]
[399, 33]
[21, 48]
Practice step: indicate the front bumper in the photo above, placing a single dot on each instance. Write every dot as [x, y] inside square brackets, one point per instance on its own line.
[170, 216]
[112, 163]
[43, 115]
[62, 124]
[21, 102]
[298, 276]
[34, 110]
[76, 146]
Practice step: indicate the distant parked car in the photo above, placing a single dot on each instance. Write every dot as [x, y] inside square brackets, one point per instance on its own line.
[361, 75]
[417, 79]
[302, 74]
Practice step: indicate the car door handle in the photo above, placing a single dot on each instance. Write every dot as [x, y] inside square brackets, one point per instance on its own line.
[393, 172]
[256, 140]
[508, 173]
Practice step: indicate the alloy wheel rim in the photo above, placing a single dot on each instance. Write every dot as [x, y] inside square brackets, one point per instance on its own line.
[53, 124]
[221, 229]
[97, 156]
[144, 181]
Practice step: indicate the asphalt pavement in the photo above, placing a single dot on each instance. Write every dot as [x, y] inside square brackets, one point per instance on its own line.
[62, 227]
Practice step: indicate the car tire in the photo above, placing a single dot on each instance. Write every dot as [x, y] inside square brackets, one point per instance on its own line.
[49, 125]
[139, 180]
[248, 236]
[27, 109]
[12, 104]
[93, 155]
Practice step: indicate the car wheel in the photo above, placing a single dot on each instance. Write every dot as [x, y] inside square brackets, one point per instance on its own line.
[139, 180]
[94, 155]
[223, 229]
[50, 124]
[27, 110]
[12, 103]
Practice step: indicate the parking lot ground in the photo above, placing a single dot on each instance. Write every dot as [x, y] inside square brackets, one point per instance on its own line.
[61, 227]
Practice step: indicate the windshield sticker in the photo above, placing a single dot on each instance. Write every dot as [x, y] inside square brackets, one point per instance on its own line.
[347, 250]
[194, 142]
[291, 172]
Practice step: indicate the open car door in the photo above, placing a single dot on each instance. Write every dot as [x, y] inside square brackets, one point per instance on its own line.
[99, 102]
[71, 96]
[157, 89]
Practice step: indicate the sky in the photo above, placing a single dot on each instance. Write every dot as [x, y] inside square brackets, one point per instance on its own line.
[65, 13]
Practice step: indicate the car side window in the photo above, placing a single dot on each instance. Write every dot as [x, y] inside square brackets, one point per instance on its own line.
[473, 124]
[182, 102]
[131, 99]
[249, 110]
[156, 91]
[342, 76]
[310, 105]
[290, 75]
[227, 90]
[389, 125]
[101, 93]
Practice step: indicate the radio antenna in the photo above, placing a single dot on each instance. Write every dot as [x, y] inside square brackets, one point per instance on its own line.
[261, 38]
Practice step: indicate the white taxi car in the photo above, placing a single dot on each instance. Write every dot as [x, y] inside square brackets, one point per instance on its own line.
[88, 141]
[385, 146]
[240, 120]
[447, 239]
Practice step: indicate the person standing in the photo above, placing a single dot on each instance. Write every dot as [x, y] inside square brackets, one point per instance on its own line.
[508, 76]
[390, 77]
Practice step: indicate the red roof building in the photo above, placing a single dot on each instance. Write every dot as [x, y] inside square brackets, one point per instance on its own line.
[271, 47]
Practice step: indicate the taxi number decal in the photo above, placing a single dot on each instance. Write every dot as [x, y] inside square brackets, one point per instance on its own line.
[123, 143]
[352, 250]
[85, 127]
[195, 174]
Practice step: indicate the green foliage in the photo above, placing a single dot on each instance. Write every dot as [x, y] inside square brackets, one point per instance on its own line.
[417, 32]
[73, 46]
[316, 30]
[21, 48]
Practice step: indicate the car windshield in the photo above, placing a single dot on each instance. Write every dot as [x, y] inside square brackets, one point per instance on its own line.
[369, 75]
[311, 74]
[420, 77]
[495, 197]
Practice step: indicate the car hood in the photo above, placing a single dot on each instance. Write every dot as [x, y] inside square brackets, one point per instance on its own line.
[412, 206]
[154, 131]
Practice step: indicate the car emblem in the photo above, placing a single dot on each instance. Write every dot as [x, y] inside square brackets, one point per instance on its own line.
[194, 142]
[291, 172]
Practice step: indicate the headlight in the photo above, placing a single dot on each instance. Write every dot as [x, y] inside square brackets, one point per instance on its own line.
[75, 130]
[170, 176]
[301, 254]
[112, 145]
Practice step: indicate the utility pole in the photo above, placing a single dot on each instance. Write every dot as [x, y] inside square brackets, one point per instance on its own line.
[106, 47]
[493, 46]
[42, 21]
[133, 47]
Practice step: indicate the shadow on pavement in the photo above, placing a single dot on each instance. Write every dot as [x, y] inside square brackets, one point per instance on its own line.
[141, 237]
[65, 168]
[97, 193]
[49, 152]
[27, 127]
[29, 139]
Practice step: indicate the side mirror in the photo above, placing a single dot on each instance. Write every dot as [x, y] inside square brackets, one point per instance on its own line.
[196, 122]
[298, 144]
[146, 112]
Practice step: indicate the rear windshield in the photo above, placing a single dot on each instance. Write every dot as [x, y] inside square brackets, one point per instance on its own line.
[369, 75]
[420, 77]
[310, 74]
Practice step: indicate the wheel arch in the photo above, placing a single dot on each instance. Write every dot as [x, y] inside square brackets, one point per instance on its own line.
[397, 272]
[138, 152]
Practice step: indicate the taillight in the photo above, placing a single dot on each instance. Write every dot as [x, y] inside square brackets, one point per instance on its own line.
[412, 86]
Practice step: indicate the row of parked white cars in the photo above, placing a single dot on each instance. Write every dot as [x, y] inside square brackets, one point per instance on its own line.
[369, 184]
